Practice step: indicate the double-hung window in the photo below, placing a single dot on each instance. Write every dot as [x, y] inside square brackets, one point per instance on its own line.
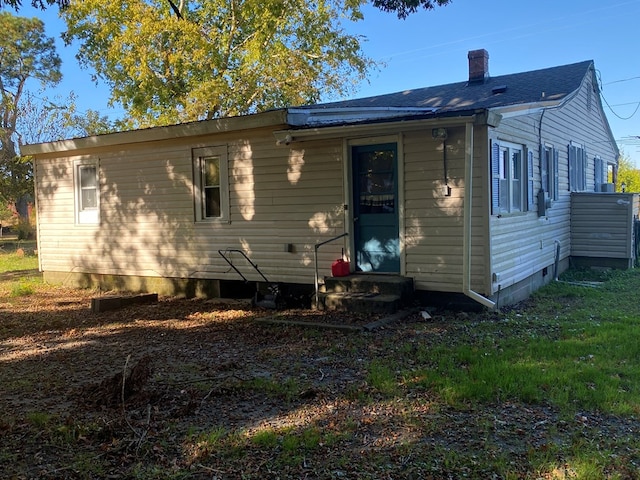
[210, 184]
[577, 168]
[549, 171]
[599, 173]
[510, 178]
[87, 193]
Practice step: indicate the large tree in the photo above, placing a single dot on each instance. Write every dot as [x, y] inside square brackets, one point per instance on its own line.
[403, 8]
[25, 53]
[211, 58]
[41, 119]
[627, 174]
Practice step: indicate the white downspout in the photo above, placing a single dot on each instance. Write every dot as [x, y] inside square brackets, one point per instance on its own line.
[468, 217]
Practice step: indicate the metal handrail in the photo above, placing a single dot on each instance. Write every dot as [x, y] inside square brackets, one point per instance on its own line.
[315, 258]
[229, 250]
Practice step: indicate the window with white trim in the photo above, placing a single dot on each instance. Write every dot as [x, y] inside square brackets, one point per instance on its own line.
[549, 171]
[510, 177]
[599, 173]
[87, 193]
[211, 184]
[577, 168]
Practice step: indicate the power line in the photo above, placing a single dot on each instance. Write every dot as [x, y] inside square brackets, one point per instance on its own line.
[601, 85]
[625, 104]
[623, 80]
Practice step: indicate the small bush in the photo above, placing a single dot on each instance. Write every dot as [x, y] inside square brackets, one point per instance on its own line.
[22, 289]
[24, 230]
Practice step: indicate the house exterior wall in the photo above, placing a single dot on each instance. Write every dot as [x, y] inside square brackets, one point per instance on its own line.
[281, 202]
[434, 228]
[524, 245]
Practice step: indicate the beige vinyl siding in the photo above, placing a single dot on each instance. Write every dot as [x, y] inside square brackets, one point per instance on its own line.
[523, 244]
[433, 222]
[278, 195]
[602, 225]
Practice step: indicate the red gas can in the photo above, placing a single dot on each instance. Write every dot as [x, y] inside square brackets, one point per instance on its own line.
[340, 268]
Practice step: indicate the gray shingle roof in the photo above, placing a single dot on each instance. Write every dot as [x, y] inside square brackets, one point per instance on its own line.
[549, 84]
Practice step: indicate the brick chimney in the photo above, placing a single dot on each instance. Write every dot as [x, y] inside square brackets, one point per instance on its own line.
[478, 66]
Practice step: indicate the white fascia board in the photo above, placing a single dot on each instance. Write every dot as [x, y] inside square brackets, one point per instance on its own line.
[192, 129]
[525, 108]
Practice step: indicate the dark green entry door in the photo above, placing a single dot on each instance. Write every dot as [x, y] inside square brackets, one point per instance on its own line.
[375, 213]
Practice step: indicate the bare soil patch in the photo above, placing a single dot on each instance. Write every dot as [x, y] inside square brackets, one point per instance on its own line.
[211, 393]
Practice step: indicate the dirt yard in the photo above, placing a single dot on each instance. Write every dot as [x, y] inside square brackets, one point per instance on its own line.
[211, 393]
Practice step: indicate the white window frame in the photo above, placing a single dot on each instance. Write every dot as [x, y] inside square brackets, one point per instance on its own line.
[513, 190]
[577, 167]
[549, 171]
[200, 157]
[599, 173]
[86, 214]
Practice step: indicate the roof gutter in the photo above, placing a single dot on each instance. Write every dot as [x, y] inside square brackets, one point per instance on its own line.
[374, 127]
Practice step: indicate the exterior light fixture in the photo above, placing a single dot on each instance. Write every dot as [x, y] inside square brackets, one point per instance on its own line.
[439, 133]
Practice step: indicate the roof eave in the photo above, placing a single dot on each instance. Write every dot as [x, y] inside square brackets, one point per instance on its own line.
[380, 125]
[193, 129]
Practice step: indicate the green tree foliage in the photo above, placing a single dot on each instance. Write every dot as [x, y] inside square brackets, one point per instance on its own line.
[217, 57]
[25, 53]
[403, 8]
[627, 174]
[6, 216]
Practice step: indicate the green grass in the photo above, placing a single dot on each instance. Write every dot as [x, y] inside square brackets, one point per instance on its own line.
[23, 284]
[584, 357]
[382, 378]
[11, 262]
[39, 419]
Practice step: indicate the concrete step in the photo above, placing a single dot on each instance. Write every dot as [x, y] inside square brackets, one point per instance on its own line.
[359, 302]
[366, 293]
[367, 283]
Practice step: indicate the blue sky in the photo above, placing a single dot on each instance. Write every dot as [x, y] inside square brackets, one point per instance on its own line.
[430, 48]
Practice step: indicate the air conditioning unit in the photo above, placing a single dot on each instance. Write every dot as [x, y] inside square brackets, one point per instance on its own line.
[607, 187]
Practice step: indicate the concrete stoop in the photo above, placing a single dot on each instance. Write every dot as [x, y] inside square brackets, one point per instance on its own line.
[366, 293]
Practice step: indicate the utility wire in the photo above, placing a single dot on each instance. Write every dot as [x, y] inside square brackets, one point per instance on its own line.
[601, 85]
[623, 80]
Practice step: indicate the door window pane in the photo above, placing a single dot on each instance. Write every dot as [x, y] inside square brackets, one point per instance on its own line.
[377, 181]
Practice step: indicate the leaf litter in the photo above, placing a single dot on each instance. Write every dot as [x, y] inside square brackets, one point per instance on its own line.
[210, 393]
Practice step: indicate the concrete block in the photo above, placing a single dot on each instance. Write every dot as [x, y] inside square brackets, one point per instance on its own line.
[115, 302]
